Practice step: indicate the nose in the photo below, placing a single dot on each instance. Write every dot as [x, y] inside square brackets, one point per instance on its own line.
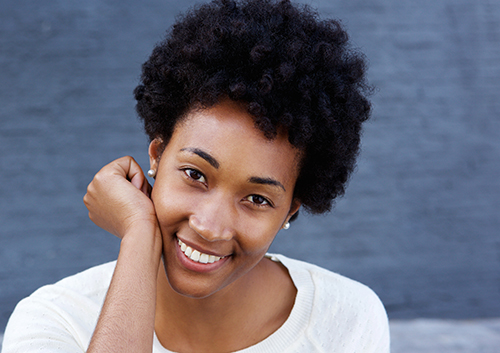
[214, 219]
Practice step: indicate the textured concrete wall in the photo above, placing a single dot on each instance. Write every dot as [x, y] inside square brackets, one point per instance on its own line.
[420, 220]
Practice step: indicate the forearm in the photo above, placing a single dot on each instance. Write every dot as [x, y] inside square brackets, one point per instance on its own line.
[126, 322]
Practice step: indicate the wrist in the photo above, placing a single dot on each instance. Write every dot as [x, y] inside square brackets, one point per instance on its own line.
[143, 242]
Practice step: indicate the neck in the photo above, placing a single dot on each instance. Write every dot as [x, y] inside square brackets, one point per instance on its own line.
[237, 316]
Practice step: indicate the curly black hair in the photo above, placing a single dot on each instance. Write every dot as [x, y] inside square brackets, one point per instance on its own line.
[291, 70]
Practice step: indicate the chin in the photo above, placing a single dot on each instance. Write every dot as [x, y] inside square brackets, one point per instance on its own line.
[195, 288]
[193, 293]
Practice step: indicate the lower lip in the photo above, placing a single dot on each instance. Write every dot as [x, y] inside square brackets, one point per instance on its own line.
[198, 266]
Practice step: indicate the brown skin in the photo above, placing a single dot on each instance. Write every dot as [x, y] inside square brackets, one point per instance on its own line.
[231, 203]
[126, 322]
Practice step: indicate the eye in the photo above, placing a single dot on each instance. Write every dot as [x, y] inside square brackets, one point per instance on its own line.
[195, 175]
[259, 200]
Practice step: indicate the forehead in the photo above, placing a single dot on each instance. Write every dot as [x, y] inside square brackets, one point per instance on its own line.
[228, 133]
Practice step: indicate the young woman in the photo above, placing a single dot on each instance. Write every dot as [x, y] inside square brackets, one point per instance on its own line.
[254, 109]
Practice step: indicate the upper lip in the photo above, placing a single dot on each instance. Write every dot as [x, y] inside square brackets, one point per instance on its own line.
[201, 249]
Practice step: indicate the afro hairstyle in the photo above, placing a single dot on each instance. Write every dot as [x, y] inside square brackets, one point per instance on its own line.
[289, 68]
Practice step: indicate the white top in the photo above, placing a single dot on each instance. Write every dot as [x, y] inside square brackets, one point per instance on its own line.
[331, 313]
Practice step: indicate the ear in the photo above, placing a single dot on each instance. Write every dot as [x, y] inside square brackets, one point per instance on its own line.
[294, 207]
[154, 151]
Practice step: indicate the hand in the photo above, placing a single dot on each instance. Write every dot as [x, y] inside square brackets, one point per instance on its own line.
[118, 198]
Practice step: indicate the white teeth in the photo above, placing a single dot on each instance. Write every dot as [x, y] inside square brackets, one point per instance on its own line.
[197, 256]
[204, 258]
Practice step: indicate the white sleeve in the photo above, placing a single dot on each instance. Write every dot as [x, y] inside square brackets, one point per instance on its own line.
[60, 317]
[379, 328]
[39, 326]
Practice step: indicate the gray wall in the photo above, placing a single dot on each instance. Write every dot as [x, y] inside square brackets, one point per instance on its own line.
[419, 223]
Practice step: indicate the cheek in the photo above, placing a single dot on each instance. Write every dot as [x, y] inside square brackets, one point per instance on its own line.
[171, 205]
[258, 236]
[262, 228]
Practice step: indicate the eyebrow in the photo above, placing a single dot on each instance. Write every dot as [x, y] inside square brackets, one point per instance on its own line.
[266, 181]
[211, 160]
[214, 163]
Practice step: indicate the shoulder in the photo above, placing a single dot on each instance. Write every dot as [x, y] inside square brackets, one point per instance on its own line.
[343, 312]
[330, 284]
[87, 287]
[90, 282]
[67, 310]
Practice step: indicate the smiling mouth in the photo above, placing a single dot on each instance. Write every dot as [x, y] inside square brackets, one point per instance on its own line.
[197, 256]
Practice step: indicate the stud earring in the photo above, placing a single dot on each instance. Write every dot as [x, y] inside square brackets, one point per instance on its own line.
[286, 226]
[151, 173]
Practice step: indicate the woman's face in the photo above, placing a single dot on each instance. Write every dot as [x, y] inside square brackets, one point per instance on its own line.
[222, 192]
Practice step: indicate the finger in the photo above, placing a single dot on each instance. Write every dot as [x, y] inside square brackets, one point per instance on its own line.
[138, 181]
[131, 170]
[141, 183]
[137, 177]
[146, 188]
